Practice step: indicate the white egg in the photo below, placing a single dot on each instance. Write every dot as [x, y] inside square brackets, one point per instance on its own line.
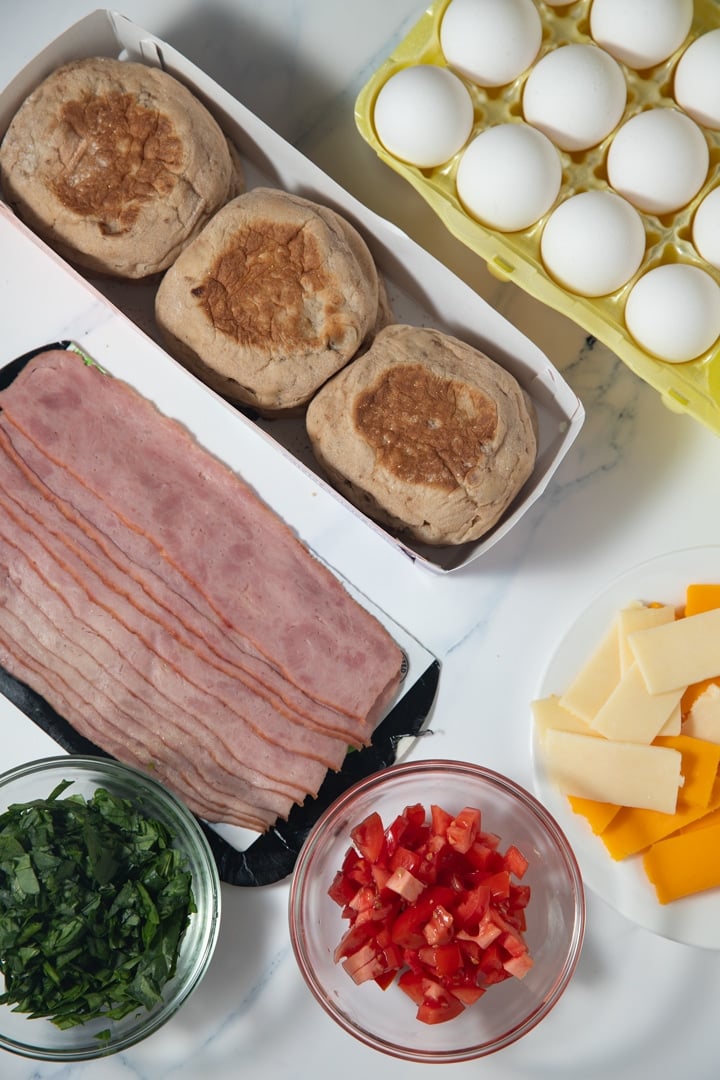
[673, 312]
[706, 228]
[697, 80]
[576, 95]
[593, 243]
[509, 176]
[423, 115]
[641, 33]
[658, 160]
[490, 41]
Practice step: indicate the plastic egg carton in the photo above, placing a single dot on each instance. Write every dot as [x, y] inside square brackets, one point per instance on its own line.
[692, 386]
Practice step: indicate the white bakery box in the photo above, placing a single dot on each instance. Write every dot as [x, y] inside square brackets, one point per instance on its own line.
[274, 455]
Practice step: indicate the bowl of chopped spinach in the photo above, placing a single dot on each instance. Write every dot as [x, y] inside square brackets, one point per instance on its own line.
[109, 907]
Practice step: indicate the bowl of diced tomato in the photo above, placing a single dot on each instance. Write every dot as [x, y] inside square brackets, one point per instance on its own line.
[437, 911]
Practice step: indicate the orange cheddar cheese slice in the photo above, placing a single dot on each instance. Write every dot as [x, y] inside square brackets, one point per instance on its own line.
[700, 763]
[693, 692]
[684, 864]
[712, 817]
[701, 597]
[631, 830]
[598, 814]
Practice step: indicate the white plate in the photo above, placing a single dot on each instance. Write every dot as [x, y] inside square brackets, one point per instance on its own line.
[696, 919]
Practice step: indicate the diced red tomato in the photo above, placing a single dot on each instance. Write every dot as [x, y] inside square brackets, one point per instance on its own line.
[408, 926]
[352, 940]
[473, 905]
[463, 829]
[499, 885]
[363, 899]
[438, 1004]
[515, 862]
[439, 821]
[439, 929]
[369, 837]
[520, 896]
[405, 884]
[386, 979]
[433, 902]
[445, 959]
[519, 965]
[405, 858]
[487, 931]
[468, 994]
[342, 889]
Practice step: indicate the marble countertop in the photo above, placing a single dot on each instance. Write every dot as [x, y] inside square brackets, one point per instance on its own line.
[639, 482]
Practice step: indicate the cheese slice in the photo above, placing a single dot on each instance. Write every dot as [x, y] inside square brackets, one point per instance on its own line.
[679, 653]
[701, 597]
[624, 773]
[631, 713]
[633, 829]
[700, 762]
[636, 617]
[596, 679]
[684, 864]
[703, 720]
[548, 713]
[598, 814]
[673, 724]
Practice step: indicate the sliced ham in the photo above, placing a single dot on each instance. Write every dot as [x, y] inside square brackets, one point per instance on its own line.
[115, 655]
[117, 593]
[138, 558]
[166, 611]
[70, 647]
[211, 527]
[23, 653]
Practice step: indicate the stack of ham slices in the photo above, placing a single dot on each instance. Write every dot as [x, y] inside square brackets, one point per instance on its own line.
[165, 611]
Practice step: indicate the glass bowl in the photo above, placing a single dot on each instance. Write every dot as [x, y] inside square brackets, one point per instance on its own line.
[386, 1019]
[40, 1038]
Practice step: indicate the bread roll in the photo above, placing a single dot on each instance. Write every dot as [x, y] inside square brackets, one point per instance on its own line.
[116, 165]
[275, 295]
[426, 435]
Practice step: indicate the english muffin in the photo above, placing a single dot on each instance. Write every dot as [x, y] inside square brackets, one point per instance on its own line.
[273, 297]
[426, 435]
[116, 165]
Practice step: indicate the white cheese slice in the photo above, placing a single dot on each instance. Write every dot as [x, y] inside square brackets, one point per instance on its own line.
[636, 617]
[596, 679]
[679, 653]
[549, 713]
[627, 774]
[631, 713]
[703, 720]
[673, 724]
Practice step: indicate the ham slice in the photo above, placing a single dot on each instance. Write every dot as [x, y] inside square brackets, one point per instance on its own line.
[140, 615]
[209, 525]
[72, 648]
[22, 652]
[138, 557]
[165, 610]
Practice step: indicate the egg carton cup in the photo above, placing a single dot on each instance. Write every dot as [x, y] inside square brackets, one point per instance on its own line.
[693, 386]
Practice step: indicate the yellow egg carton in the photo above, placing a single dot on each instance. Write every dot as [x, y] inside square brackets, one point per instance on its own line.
[693, 386]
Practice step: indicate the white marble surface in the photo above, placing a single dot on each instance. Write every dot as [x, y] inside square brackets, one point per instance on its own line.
[639, 482]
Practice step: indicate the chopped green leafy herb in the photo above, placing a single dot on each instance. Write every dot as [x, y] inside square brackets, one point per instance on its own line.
[94, 902]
